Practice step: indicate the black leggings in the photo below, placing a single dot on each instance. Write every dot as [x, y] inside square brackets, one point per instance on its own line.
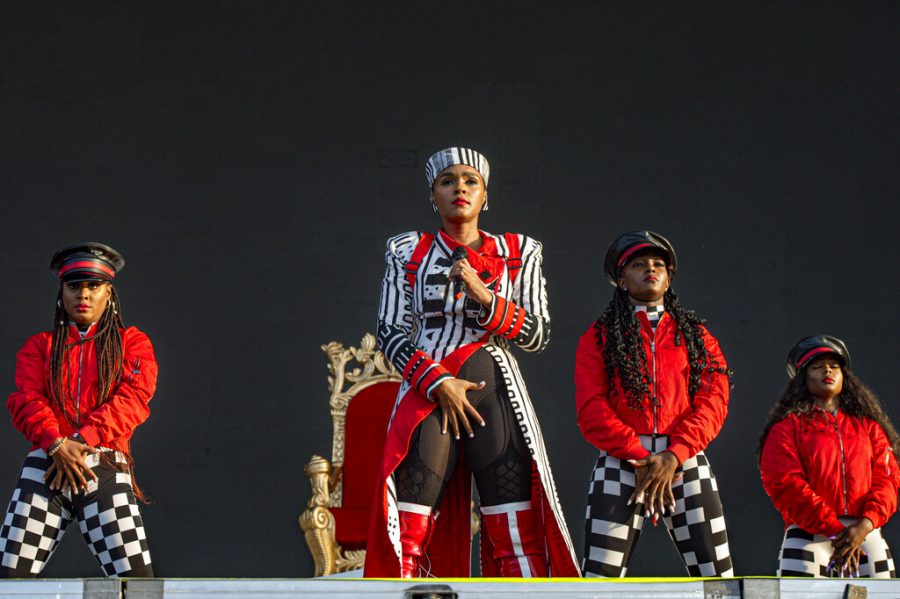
[497, 455]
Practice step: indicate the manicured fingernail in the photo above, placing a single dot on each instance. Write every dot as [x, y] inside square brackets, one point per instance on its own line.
[471, 435]
[457, 437]
[630, 501]
[482, 423]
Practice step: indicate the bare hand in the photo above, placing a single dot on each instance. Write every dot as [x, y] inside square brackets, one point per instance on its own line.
[69, 469]
[451, 395]
[653, 477]
[848, 548]
[475, 287]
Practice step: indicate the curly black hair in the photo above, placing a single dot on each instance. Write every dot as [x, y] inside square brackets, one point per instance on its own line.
[855, 400]
[619, 339]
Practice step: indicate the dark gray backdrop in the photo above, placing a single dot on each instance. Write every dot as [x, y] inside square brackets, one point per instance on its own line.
[249, 159]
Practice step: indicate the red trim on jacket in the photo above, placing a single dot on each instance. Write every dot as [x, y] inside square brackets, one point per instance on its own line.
[801, 470]
[608, 423]
[110, 424]
[504, 318]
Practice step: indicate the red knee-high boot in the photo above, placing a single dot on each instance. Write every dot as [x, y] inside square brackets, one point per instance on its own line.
[517, 538]
[415, 532]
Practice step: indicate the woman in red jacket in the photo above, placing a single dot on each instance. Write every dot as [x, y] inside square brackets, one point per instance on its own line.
[651, 390]
[827, 457]
[81, 390]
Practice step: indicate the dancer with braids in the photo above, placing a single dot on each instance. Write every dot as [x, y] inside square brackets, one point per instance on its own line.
[81, 389]
[452, 305]
[651, 390]
[828, 460]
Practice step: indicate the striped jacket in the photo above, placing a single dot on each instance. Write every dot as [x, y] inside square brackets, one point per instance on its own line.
[419, 326]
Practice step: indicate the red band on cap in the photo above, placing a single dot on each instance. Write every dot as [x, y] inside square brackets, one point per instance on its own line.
[815, 352]
[111, 273]
[630, 251]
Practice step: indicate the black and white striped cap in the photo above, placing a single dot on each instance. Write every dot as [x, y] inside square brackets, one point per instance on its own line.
[450, 156]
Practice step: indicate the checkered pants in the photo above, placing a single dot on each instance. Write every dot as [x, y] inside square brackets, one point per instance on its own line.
[107, 515]
[697, 527]
[806, 554]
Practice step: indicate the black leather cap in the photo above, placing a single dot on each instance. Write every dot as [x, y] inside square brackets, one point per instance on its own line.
[636, 241]
[812, 347]
[87, 261]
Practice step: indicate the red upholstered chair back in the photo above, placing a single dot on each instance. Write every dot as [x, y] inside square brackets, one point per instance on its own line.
[366, 426]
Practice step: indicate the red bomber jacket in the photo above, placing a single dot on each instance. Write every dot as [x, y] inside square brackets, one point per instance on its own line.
[110, 424]
[819, 466]
[608, 423]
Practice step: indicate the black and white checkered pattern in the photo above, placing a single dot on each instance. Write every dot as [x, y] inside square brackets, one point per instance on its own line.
[806, 554]
[107, 515]
[697, 527]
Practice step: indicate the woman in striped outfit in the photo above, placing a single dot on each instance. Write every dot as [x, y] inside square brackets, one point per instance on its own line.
[452, 305]
[827, 457]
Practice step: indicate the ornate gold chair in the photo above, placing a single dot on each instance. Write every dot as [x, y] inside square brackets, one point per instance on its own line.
[363, 386]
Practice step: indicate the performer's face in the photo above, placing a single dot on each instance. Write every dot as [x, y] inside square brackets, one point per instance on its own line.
[459, 193]
[85, 301]
[645, 277]
[824, 377]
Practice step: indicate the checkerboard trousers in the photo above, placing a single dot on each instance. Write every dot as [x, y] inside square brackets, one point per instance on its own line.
[107, 515]
[697, 527]
[806, 554]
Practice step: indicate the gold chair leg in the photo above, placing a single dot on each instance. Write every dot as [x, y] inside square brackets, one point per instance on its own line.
[317, 521]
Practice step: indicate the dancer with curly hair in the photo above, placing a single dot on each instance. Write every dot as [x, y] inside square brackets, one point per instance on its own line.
[828, 460]
[651, 391]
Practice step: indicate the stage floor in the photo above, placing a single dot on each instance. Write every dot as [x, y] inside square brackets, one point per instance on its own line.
[340, 588]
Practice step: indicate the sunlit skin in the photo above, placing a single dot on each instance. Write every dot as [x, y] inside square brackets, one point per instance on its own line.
[646, 278]
[84, 302]
[458, 194]
[825, 381]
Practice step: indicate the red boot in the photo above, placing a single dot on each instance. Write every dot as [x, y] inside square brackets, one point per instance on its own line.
[415, 532]
[517, 539]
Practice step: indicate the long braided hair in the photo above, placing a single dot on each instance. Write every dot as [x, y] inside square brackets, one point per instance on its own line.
[108, 343]
[620, 341]
[856, 399]
[110, 356]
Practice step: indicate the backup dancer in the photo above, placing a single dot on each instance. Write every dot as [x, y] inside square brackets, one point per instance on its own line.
[651, 390]
[827, 457]
[452, 305]
[81, 389]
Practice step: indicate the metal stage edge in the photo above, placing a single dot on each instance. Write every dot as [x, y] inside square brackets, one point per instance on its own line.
[340, 588]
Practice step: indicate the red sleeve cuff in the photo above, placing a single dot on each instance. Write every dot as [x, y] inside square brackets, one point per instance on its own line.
[833, 527]
[680, 451]
[423, 373]
[48, 437]
[638, 453]
[874, 517]
[89, 434]
[504, 318]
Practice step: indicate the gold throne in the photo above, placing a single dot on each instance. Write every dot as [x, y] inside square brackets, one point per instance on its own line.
[363, 386]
